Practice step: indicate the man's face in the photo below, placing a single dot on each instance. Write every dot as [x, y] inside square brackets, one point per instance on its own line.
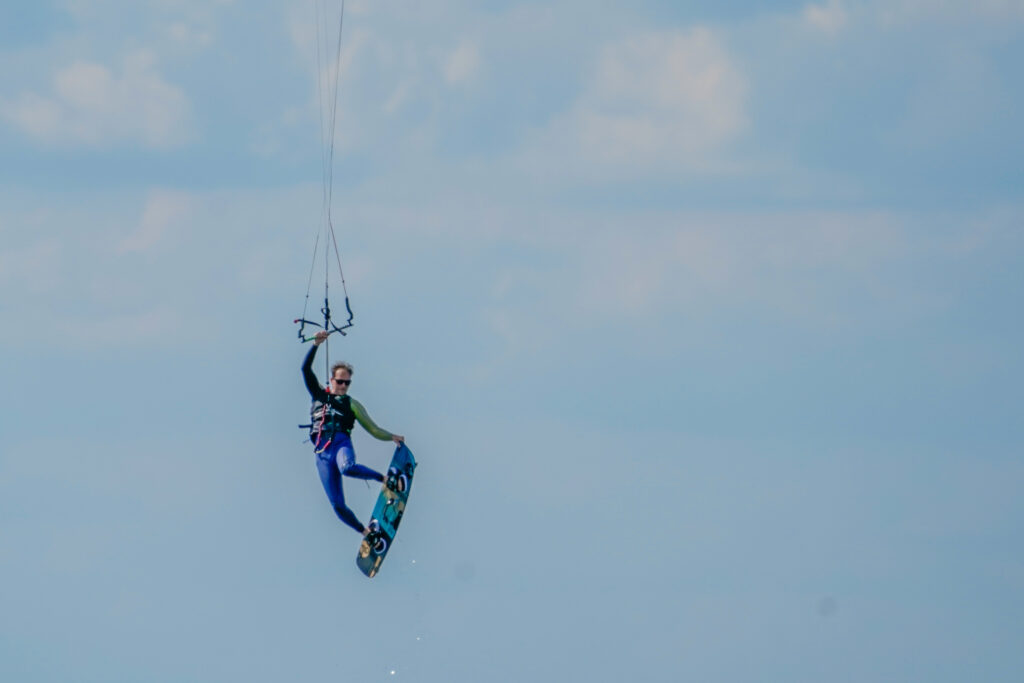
[339, 383]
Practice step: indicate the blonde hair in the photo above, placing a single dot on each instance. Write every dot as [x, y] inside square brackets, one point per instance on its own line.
[341, 365]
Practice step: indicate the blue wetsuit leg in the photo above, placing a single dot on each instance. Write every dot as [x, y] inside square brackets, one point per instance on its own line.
[361, 472]
[329, 464]
[347, 463]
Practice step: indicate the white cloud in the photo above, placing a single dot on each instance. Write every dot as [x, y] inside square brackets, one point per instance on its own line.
[162, 210]
[897, 12]
[314, 36]
[124, 267]
[789, 265]
[829, 18]
[397, 98]
[120, 329]
[656, 101]
[463, 64]
[188, 35]
[92, 105]
[29, 268]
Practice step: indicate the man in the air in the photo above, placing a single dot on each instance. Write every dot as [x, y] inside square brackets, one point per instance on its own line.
[334, 415]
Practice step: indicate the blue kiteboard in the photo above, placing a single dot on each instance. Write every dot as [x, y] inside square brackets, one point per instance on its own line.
[388, 512]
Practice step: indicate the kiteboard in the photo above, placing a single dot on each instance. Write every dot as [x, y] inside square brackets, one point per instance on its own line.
[387, 513]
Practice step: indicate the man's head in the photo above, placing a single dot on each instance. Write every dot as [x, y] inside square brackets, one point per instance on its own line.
[341, 378]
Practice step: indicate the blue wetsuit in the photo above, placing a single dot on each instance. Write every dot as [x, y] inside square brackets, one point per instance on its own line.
[333, 419]
[332, 462]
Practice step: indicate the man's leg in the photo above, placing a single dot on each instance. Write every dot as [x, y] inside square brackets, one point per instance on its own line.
[330, 477]
[347, 465]
[361, 472]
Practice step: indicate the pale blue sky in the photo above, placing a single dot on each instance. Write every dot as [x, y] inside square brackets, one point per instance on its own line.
[702, 321]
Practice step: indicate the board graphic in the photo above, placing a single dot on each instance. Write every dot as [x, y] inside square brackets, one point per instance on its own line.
[388, 512]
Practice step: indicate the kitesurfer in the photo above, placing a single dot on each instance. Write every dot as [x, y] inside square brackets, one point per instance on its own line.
[334, 415]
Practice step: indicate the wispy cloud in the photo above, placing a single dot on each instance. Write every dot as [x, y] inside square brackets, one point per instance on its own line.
[655, 101]
[119, 329]
[895, 12]
[840, 271]
[463, 64]
[829, 18]
[29, 269]
[163, 209]
[153, 265]
[189, 35]
[91, 104]
[697, 263]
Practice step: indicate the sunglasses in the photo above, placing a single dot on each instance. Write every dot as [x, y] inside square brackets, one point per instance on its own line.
[344, 382]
